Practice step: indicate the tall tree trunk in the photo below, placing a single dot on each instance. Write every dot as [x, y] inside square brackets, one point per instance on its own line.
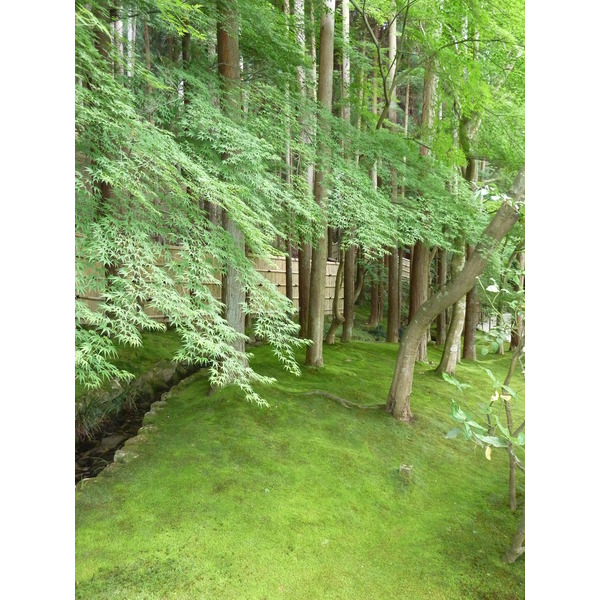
[374, 312]
[228, 53]
[336, 317]
[316, 314]
[304, 258]
[349, 293]
[393, 320]
[381, 288]
[349, 254]
[466, 132]
[360, 275]
[305, 247]
[451, 354]
[420, 257]
[517, 330]
[398, 402]
[440, 335]
[289, 286]
[471, 319]
[419, 284]
[131, 35]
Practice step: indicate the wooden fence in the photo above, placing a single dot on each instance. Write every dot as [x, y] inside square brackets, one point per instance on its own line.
[273, 271]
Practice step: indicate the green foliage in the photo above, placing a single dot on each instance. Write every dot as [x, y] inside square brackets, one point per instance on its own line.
[497, 435]
[154, 149]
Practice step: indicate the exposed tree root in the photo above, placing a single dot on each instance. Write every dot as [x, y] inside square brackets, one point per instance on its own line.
[345, 403]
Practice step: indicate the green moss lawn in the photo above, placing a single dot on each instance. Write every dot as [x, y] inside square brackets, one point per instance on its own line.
[303, 500]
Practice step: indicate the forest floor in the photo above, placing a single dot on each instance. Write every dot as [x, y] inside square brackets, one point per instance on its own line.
[303, 500]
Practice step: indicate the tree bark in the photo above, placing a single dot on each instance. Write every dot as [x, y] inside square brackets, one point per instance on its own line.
[419, 283]
[451, 354]
[349, 292]
[393, 320]
[517, 330]
[374, 313]
[398, 401]
[440, 335]
[305, 248]
[471, 319]
[360, 275]
[316, 314]
[229, 68]
[304, 258]
[336, 317]
[518, 543]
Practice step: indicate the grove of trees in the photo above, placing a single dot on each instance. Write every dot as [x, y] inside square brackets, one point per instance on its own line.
[237, 130]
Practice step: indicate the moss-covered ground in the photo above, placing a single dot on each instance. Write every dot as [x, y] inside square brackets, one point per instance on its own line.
[303, 500]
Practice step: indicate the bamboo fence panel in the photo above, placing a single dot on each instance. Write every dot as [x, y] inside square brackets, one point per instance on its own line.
[273, 270]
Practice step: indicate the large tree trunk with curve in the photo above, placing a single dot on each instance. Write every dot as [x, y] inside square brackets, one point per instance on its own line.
[316, 310]
[398, 401]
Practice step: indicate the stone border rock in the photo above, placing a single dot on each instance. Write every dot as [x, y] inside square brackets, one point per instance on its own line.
[133, 446]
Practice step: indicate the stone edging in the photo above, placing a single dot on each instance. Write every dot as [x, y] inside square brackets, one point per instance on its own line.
[133, 446]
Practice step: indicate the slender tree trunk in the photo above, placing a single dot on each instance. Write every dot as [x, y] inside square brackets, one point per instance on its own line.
[349, 254]
[451, 354]
[316, 314]
[419, 283]
[420, 257]
[398, 402]
[360, 276]
[186, 58]
[517, 330]
[336, 317]
[148, 66]
[471, 319]
[393, 320]
[512, 482]
[381, 289]
[393, 292]
[440, 336]
[131, 35]
[305, 248]
[374, 313]
[229, 68]
[289, 287]
[518, 543]
[349, 291]
[304, 258]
